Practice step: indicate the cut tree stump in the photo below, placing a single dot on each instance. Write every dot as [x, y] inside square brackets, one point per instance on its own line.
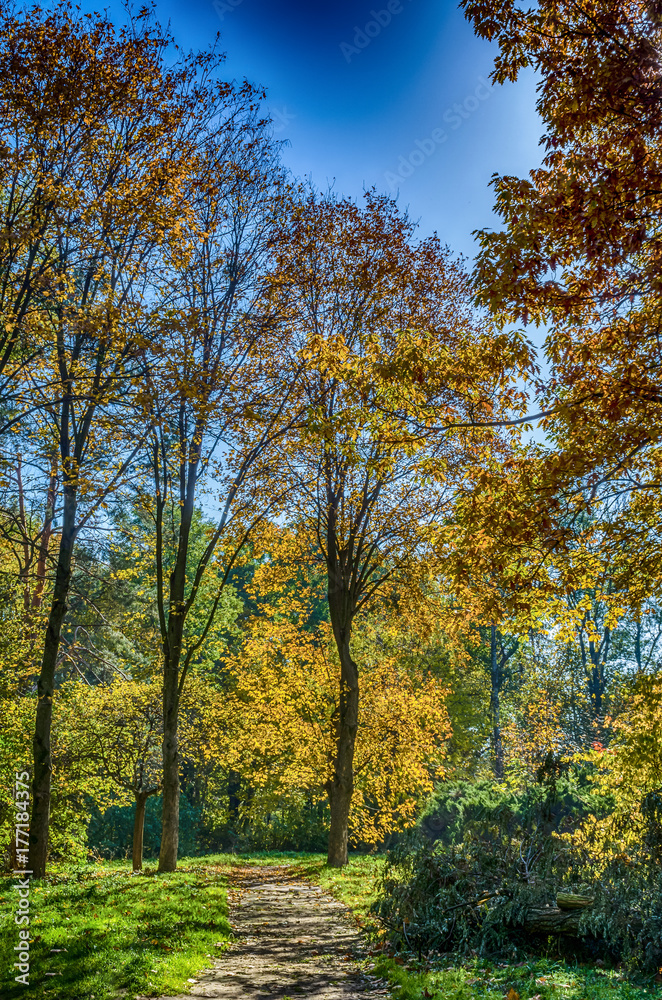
[573, 901]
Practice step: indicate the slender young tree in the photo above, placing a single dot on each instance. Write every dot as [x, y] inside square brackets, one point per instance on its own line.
[133, 125]
[115, 735]
[500, 652]
[219, 399]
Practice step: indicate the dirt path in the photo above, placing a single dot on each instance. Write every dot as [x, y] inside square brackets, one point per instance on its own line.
[291, 941]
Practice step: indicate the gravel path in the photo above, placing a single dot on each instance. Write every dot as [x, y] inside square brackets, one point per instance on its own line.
[291, 940]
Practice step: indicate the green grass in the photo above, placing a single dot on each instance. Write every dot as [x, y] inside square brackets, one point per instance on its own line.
[539, 979]
[128, 935]
[118, 934]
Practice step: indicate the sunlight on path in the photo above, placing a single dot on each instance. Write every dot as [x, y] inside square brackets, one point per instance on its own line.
[292, 940]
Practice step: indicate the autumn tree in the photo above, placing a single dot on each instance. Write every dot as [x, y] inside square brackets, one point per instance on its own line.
[114, 733]
[131, 124]
[37, 166]
[630, 770]
[398, 369]
[580, 244]
[591, 602]
[273, 725]
[220, 394]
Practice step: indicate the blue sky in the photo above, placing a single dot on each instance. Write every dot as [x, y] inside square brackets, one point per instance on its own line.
[392, 94]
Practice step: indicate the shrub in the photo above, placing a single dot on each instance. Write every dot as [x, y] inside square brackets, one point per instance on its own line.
[471, 897]
[503, 855]
[561, 798]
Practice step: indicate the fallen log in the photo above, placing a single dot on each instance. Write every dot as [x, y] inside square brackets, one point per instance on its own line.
[554, 920]
[573, 901]
[551, 920]
[560, 919]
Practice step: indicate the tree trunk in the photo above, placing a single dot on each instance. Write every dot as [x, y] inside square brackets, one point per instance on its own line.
[173, 639]
[170, 802]
[234, 802]
[24, 567]
[495, 700]
[42, 766]
[341, 783]
[594, 669]
[551, 920]
[595, 680]
[138, 830]
[46, 532]
[340, 800]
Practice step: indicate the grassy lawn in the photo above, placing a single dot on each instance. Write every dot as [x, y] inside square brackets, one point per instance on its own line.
[537, 979]
[99, 932]
[102, 933]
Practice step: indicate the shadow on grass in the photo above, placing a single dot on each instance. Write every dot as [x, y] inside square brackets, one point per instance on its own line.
[101, 931]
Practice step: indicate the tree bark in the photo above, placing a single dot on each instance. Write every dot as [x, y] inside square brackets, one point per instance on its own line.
[46, 532]
[170, 803]
[172, 653]
[496, 679]
[138, 830]
[340, 785]
[234, 788]
[552, 920]
[42, 762]
[593, 665]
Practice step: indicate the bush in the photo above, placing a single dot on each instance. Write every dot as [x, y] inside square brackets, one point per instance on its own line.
[468, 898]
[557, 802]
[627, 913]
[502, 855]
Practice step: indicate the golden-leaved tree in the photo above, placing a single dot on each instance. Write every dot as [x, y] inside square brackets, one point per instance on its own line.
[120, 122]
[220, 393]
[111, 737]
[105, 135]
[629, 771]
[276, 726]
[399, 370]
[579, 249]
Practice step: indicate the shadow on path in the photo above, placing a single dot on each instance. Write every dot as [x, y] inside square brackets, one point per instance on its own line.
[291, 941]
